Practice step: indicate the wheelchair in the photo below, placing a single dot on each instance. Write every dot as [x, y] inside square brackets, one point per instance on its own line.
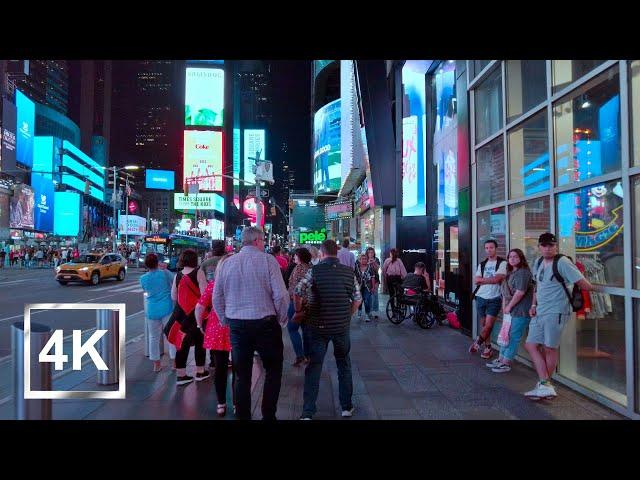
[422, 307]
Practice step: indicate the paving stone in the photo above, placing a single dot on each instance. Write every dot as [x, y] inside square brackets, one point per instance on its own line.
[436, 407]
[412, 380]
[399, 414]
[485, 413]
[393, 356]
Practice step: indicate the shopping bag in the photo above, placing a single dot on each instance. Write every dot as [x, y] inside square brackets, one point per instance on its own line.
[503, 336]
[176, 336]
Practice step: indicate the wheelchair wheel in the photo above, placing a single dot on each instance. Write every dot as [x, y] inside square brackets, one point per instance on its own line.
[395, 312]
[425, 318]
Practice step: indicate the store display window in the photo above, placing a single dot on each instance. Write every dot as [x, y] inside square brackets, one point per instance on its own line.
[488, 106]
[529, 170]
[526, 86]
[527, 221]
[565, 72]
[635, 189]
[490, 173]
[634, 104]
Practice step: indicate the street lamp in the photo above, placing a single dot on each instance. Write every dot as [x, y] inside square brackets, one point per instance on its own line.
[115, 169]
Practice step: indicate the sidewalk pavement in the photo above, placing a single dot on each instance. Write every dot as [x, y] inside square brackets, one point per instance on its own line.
[400, 372]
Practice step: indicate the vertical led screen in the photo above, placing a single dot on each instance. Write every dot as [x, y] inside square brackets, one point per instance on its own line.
[413, 144]
[203, 157]
[254, 147]
[327, 174]
[22, 204]
[25, 129]
[236, 164]
[8, 136]
[66, 217]
[204, 97]
[44, 203]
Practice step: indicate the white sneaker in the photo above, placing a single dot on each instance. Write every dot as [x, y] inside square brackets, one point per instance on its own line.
[541, 391]
[360, 314]
[501, 368]
[348, 413]
[493, 364]
[366, 318]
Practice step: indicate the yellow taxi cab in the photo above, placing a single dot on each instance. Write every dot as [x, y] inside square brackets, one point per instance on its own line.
[92, 268]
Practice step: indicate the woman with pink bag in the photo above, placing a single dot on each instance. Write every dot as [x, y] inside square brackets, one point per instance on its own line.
[517, 296]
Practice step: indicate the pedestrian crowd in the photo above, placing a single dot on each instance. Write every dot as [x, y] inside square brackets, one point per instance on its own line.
[36, 257]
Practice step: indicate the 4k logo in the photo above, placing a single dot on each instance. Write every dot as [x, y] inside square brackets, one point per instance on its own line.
[53, 351]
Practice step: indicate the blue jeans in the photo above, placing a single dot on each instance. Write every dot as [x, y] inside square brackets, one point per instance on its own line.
[341, 347]
[518, 325]
[300, 345]
[367, 299]
[375, 305]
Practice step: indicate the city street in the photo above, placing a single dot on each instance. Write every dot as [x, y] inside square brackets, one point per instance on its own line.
[400, 372]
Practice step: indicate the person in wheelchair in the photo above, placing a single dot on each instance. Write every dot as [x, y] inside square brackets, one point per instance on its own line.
[416, 286]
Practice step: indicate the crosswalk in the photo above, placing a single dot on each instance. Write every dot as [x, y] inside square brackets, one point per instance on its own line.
[119, 288]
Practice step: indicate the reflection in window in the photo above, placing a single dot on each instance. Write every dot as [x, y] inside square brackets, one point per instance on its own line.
[590, 229]
[527, 221]
[445, 138]
[478, 65]
[492, 224]
[488, 106]
[635, 202]
[592, 349]
[568, 71]
[490, 173]
[587, 130]
[526, 86]
[529, 157]
[634, 75]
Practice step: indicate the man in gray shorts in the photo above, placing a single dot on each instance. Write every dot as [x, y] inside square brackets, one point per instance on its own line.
[550, 312]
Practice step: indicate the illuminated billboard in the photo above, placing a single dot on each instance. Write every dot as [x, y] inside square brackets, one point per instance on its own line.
[8, 146]
[135, 225]
[201, 201]
[327, 174]
[254, 147]
[44, 202]
[204, 97]
[203, 157]
[22, 202]
[160, 179]
[26, 121]
[66, 216]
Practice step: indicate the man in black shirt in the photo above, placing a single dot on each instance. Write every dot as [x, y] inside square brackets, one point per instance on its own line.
[418, 280]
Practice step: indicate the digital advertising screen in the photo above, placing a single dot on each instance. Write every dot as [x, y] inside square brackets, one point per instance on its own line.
[327, 175]
[22, 203]
[44, 200]
[160, 179]
[26, 121]
[204, 97]
[201, 201]
[8, 136]
[66, 217]
[413, 143]
[254, 147]
[203, 157]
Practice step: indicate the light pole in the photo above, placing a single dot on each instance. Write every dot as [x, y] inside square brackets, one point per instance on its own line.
[115, 169]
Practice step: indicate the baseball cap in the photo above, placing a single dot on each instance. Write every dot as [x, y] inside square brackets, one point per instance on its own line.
[547, 238]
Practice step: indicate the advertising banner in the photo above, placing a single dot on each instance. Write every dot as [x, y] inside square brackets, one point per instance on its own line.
[44, 202]
[204, 97]
[22, 204]
[4, 215]
[201, 201]
[327, 174]
[337, 211]
[409, 166]
[66, 216]
[160, 179]
[135, 225]
[254, 147]
[8, 136]
[203, 157]
[26, 120]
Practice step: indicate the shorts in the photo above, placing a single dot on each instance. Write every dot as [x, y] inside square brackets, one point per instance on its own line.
[547, 329]
[489, 307]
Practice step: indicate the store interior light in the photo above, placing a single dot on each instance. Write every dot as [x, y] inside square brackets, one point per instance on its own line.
[585, 102]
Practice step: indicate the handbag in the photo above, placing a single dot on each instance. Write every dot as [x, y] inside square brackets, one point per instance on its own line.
[503, 336]
[175, 335]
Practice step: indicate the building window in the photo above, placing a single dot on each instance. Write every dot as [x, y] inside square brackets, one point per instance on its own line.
[566, 72]
[492, 225]
[590, 229]
[593, 347]
[529, 157]
[477, 66]
[527, 221]
[488, 106]
[526, 86]
[635, 202]
[490, 173]
[634, 75]
[587, 130]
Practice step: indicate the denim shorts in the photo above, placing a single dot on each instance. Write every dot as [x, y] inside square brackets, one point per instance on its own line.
[489, 307]
[547, 329]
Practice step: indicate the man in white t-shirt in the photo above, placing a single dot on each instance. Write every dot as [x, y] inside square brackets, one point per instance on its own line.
[489, 275]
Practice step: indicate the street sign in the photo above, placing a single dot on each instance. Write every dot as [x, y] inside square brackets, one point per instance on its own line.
[264, 193]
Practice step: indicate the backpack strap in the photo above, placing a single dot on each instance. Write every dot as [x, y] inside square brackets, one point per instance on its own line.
[558, 277]
[483, 264]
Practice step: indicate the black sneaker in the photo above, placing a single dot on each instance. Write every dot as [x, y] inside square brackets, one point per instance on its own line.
[184, 380]
[305, 416]
[202, 376]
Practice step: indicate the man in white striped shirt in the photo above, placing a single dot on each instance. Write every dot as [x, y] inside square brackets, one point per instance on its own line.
[251, 297]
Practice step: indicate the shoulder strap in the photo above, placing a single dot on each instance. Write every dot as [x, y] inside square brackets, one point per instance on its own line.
[483, 264]
[538, 263]
[556, 272]
[498, 262]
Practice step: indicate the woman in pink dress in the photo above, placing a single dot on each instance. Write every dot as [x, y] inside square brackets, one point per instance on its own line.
[217, 338]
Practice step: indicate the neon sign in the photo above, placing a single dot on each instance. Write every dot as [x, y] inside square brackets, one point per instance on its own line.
[590, 241]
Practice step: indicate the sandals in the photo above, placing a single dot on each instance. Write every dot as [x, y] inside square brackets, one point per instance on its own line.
[222, 409]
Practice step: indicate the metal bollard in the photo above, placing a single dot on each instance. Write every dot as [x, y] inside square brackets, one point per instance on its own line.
[40, 372]
[108, 346]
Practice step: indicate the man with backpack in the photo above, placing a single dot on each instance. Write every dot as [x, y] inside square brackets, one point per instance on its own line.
[490, 273]
[553, 302]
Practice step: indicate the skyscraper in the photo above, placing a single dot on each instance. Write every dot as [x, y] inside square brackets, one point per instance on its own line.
[44, 81]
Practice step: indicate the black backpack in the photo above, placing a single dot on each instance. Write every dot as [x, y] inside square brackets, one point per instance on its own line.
[483, 264]
[576, 300]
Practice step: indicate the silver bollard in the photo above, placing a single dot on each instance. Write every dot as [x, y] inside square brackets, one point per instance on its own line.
[40, 372]
[108, 346]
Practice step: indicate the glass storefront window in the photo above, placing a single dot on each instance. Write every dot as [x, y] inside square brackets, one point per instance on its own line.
[529, 157]
[526, 86]
[592, 349]
[568, 71]
[478, 65]
[527, 221]
[490, 173]
[635, 202]
[634, 75]
[492, 224]
[590, 230]
[587, 130]
[488, 106]
[636, 310]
